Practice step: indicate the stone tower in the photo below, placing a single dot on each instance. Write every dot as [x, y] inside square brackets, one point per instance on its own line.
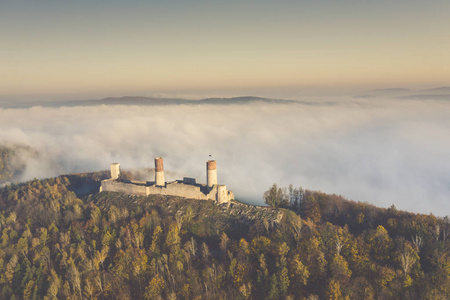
[159, 172]
[211, 173]
[115, 171]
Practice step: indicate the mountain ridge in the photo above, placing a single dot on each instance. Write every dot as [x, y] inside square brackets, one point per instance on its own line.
[150, 101]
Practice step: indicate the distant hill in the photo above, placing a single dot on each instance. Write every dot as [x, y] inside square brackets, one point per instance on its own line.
[171, 101]
[439, 90]
[440, 93]
[136, 100]
[443, 97]
[243, 100]
[384, 93]
[147, 101]
[390, 91]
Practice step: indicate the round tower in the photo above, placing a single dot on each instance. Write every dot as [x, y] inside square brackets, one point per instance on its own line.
[115, 170]
[211, 173]
[159, 172]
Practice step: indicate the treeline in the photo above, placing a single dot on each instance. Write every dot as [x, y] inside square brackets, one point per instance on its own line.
[56, 245]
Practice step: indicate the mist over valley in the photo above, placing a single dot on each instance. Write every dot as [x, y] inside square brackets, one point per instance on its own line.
[383, 152]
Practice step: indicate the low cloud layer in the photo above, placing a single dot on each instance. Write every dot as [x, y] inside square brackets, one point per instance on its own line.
[379, 151]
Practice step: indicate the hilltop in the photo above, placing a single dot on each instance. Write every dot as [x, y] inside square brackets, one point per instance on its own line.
[60, 238]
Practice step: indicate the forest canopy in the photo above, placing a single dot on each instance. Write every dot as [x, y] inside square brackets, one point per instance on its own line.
[59, 243]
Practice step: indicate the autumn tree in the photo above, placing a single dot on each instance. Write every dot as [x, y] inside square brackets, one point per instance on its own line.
[276, 197]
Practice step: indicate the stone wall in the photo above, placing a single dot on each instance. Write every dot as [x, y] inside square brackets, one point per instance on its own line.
[218, 193]
[178, 189]
[126, 188]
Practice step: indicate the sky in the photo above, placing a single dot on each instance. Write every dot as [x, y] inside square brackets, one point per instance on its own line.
[88, 49]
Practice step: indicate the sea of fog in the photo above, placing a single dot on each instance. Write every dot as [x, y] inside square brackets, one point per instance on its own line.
[381, 151]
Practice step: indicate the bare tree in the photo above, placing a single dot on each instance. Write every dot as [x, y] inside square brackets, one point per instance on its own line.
[75, 278]
[192, 247]
[407, 261]
[417, 241]
[339, 244]
[436, 232]
[88, 289]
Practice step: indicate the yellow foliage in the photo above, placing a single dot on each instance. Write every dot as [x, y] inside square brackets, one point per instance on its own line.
[260, 244]
[407, 281]
[243, 245]
[334, 290]
[154, 288]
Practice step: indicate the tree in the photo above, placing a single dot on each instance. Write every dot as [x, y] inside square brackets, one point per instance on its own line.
[28, 291]
[314, 260]
[173, 237]
[276, 197]
[273, 288]
[156, 237]
[407, 258]
[381, 244]
[284, 281]
[54, 286]
[224, 243]
[154, 288]
[334, 291]
[205, 253]
[299, 274]
[339, 269]
[75, 278]
[310, 207]
[262, 276]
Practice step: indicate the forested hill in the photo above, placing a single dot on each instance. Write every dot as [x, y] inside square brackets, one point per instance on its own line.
[62, 240]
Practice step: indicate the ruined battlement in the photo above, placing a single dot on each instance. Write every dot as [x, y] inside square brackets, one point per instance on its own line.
[187, 188]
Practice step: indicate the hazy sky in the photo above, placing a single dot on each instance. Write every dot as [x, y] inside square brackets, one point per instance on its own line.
[83, 48]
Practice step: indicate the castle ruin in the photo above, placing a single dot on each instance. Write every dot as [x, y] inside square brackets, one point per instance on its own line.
[187, 188]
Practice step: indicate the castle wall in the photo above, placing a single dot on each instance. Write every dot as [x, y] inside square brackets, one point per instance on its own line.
[126, 188]
[178, 189]
[218, 193]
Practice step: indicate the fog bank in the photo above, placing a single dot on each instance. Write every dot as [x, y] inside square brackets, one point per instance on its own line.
[380, 151]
